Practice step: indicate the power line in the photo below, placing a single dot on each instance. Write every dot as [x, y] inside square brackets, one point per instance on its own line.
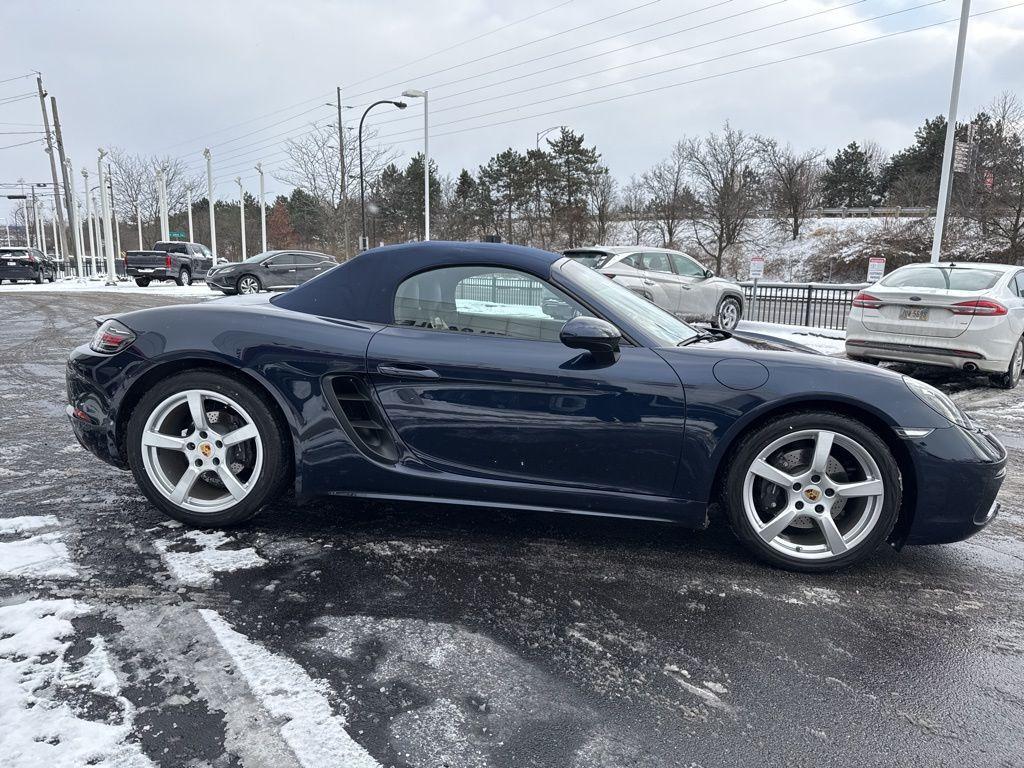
[17, 77]
[689, 65]
[23, 144]
[452, 47]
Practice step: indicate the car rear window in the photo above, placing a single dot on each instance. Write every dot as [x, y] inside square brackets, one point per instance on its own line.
[13, 254]
[594, 259]
[943, 278]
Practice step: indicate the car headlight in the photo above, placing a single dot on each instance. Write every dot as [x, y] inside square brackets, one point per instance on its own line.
[938, 401]
[111, 337]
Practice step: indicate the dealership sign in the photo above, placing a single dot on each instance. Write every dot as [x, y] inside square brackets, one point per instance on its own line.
[756, 268]
[876, 268]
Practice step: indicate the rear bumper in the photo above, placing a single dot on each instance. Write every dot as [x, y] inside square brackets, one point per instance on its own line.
[19, 273]
[959, 473]
[983, 351]
[153, 273]
[89, 404]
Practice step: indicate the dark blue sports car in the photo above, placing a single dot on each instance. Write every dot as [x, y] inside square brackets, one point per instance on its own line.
[495, 375]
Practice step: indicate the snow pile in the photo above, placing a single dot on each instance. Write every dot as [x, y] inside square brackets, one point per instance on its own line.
[43, 555]
[824, 340]
[197, 557]
[71, 285]
[314, 732]
[35, 667]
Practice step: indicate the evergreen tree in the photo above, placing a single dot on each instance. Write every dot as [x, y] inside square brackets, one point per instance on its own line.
[574, 171]
[848, 181]
[911, 177]
[505, 190]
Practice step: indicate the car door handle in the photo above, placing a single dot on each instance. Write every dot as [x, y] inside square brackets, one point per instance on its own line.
[648, 282]
[407, 371]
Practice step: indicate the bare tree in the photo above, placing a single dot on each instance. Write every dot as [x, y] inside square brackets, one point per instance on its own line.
[134, 179]
[670, 200]
[876, 155]
[604, 200]
[635, 209]
[792, 181]
[720, 166]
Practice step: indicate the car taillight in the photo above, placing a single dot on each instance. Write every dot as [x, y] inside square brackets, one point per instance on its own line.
[978, 307]
[167, 262]
[31, 259]
[111, 337]
[867, 301]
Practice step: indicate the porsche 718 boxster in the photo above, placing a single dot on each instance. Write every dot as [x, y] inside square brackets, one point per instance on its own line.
[499, 376]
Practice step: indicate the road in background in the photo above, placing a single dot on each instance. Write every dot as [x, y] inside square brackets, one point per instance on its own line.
[368, 633]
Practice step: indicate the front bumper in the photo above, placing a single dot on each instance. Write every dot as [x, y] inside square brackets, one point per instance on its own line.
[959, 473]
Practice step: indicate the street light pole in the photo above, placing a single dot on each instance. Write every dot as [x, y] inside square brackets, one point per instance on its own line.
[945, 179]
[188, 202]
[138, 222]
[161, 190]
[344, 177]
[414, 94]
[363, 242]
[241, 211]
[108, 235]
[88, 222]
[73, 216]
[209, 199]
[263, 208]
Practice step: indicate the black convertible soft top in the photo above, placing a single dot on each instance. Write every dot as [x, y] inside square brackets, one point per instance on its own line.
[364, 287]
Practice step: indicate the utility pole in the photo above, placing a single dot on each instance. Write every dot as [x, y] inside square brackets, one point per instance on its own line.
[66, 173]
[138, 222]
[40, 243]
[947, 152]
[263, 208]
[188, 201]
[108, 235]
[161, 191]
[40, 229]
[241, 211]
[73, 217]
[209, 199]
[88, 222]
[344, 178]
[53, 163]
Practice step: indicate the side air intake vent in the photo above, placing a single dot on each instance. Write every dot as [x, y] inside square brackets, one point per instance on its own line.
[361, 418]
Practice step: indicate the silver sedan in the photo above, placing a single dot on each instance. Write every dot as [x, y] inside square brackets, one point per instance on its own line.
[674, 281]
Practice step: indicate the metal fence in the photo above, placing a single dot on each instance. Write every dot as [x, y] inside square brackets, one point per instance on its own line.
[817, 305]
[501, 290]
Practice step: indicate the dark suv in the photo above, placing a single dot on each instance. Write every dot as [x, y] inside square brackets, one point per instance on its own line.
[29, 264]
[271, 270]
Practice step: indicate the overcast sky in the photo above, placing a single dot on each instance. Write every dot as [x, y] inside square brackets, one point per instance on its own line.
[172, 77]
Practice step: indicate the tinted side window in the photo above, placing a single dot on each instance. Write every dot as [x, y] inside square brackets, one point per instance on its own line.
[484, 300]
[301, 258]
[686, 266]
[657, 262]
[283, 259]
[178, 248]
[1020, 284]
[631, 261]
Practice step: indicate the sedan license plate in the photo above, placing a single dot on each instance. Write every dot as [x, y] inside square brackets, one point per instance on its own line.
[12, 263]
[913, 313]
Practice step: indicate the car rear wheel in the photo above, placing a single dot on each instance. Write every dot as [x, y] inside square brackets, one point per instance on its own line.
[184, 277]
[729, 313]
[142, 282]
[206, 449]
[1011, 378]
[813, 491]
[249, 284]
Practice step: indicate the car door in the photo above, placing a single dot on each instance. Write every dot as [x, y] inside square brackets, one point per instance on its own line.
[662, 279]
[198, 263]
[280, 271]
[474, 380]
[307, 267]
[698, 299]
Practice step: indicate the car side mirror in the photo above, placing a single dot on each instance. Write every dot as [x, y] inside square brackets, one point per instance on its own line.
[598, 337]
[708, 273]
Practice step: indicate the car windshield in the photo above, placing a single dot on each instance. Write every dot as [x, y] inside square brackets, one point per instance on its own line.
[943, 278]
[667, 329]
[594, 259]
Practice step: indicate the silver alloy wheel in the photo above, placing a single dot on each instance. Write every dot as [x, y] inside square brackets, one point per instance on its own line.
[811, 508]
[248, 284]
[1017, 363]
[202, 450]
[728, 314]
[186, 277]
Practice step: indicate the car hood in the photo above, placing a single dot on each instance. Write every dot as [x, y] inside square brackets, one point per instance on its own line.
[747, 340]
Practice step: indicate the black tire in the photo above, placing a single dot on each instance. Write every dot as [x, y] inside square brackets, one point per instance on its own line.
[1011, 377]
[142, 282]
[276, 459]
[248, 280]
[184, 277]
[752, 443]
[39, 279]
[728, 303]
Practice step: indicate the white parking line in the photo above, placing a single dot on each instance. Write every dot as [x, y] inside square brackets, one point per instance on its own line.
[313, 731]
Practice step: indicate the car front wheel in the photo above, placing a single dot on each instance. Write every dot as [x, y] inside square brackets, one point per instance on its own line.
[1011, 378]
[812, 491]
[249, 284]
[206, 449]
[729, 313]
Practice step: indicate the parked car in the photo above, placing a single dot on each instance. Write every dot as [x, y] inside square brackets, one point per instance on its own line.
[674, 281]
[378, 380]
[271, 271]
[173, 260]
[968, 316]
[29, 264]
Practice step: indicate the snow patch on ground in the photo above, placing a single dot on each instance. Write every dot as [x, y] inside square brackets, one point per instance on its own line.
[40, 556]
[94, 286]
[311, 728]
[199, 568]
[709, 694]
[10, 525]
[35, 728]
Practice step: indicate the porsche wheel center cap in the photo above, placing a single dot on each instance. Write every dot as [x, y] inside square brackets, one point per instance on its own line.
[206, 449]
[812, 494]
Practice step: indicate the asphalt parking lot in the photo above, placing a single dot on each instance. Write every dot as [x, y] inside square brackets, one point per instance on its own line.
[367, 633]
